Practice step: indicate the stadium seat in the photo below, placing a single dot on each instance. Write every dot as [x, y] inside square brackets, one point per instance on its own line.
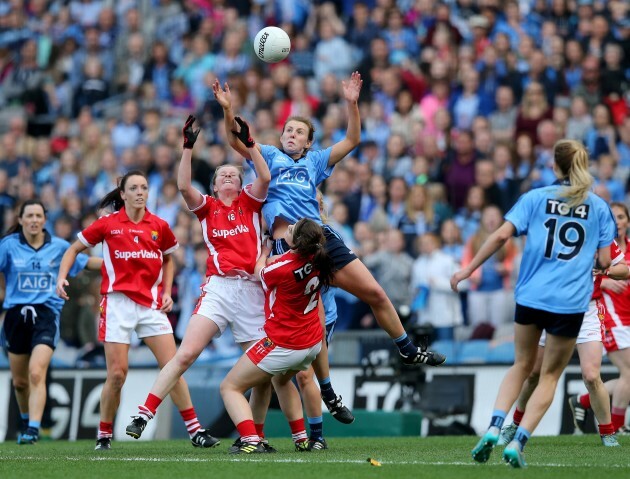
[501, 353]
[473, 351]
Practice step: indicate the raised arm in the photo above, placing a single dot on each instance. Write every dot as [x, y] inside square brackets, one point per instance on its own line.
[224, 98]
[64, 267]
[263, 175]
[488, 248]
[351, 91]
[192, 196]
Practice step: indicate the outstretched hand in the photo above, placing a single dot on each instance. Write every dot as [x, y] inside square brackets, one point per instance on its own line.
[224, 97]
[457, 278]
[190, 135]
[243, 133]
[61, 289]
[352, 88]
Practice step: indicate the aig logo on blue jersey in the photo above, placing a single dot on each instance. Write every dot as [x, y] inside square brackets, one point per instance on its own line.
[35, 282]
[294, 176]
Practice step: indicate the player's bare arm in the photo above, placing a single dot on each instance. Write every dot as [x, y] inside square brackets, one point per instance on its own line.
[192, 196]
[351, 90]
[224, 98]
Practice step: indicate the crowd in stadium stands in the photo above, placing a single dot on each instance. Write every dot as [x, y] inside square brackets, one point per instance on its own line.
[461, 105]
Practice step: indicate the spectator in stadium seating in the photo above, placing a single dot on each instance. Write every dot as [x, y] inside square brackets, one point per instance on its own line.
[29, 260]
[547, 294]
[601, 138]
[533, 110]
[136, 289]
[503, 119]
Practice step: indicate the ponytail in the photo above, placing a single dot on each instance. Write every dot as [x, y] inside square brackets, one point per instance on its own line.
[309, 242]
[112, 201]
[572, 160]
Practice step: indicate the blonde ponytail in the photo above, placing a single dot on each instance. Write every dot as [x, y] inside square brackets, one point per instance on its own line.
[572, 160]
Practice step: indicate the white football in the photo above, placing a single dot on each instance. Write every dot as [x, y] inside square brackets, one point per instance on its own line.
[272, 44]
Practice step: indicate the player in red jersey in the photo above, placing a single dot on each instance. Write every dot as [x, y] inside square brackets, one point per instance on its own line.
[136, 287]
[231, 296]
[589, 348]
[293, 330]
[616, 335]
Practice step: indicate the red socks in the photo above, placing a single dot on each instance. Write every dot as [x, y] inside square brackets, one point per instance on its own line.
[518, 416]
[247, 430]
[585, 401]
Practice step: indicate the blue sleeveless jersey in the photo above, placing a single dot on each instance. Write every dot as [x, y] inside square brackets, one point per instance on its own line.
[31, 275]
[556, 268]
[292, 192]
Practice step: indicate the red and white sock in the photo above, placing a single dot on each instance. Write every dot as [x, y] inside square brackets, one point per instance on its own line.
[105, 429]
[518, 416]
[606, 429]
[618, 416]
[148, 409]
[190, 419]
[259, 430]
[247, 430]
[298, 431]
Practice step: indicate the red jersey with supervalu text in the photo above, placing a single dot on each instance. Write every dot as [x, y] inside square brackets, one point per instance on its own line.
[132, 254]
[615, 257]
[291, 302]
[619, 304]
[232, 234]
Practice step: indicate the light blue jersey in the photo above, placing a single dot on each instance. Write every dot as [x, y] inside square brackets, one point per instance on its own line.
[31, 275]
[292, 193]
[556, 269]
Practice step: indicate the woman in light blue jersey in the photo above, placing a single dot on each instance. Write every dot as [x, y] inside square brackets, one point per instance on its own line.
[296, 171]
[30, 259]
[566, 225]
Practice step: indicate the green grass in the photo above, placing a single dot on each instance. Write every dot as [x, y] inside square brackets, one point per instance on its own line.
[401, 458]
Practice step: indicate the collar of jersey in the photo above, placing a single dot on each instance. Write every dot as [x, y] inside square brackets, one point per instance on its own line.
[47, 238]
[123, 215]
[294, 160]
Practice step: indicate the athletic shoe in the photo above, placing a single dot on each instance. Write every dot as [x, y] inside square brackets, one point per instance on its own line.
[481, 452]
[579, 414]
[268, 447]
[430, 358]
[202, 438]
[27, 438]
[248, 448]
[610, 440]
[623, 431]
[238, 443]
[302, 446]
[513, 455]
[340, 412]
[507, 434]
[103, 444]
[317, 444]
[136, 427]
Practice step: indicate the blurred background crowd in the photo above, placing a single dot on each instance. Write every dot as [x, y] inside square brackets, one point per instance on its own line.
[462, 102]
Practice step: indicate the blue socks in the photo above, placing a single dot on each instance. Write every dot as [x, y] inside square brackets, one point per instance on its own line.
[327, 390]
[522, 436]
[316, 425]
[24, 417]
[498, 417]
[405, 346]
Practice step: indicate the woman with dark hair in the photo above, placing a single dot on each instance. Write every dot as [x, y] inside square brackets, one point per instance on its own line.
[292, 284]
[29, 260]
[137, 279]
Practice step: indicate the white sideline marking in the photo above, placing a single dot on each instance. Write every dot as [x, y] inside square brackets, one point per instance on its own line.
[294, 461]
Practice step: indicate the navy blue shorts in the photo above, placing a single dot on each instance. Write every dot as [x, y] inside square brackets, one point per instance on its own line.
[26, 326]
[330, 329]
[336, 248]
[567, 325]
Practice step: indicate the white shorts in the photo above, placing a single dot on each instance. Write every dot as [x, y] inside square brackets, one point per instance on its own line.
[274, 359]
[235, 302]
[120, 316]
[592, 328]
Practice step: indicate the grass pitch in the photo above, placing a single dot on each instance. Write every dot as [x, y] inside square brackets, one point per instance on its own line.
[560, 457]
